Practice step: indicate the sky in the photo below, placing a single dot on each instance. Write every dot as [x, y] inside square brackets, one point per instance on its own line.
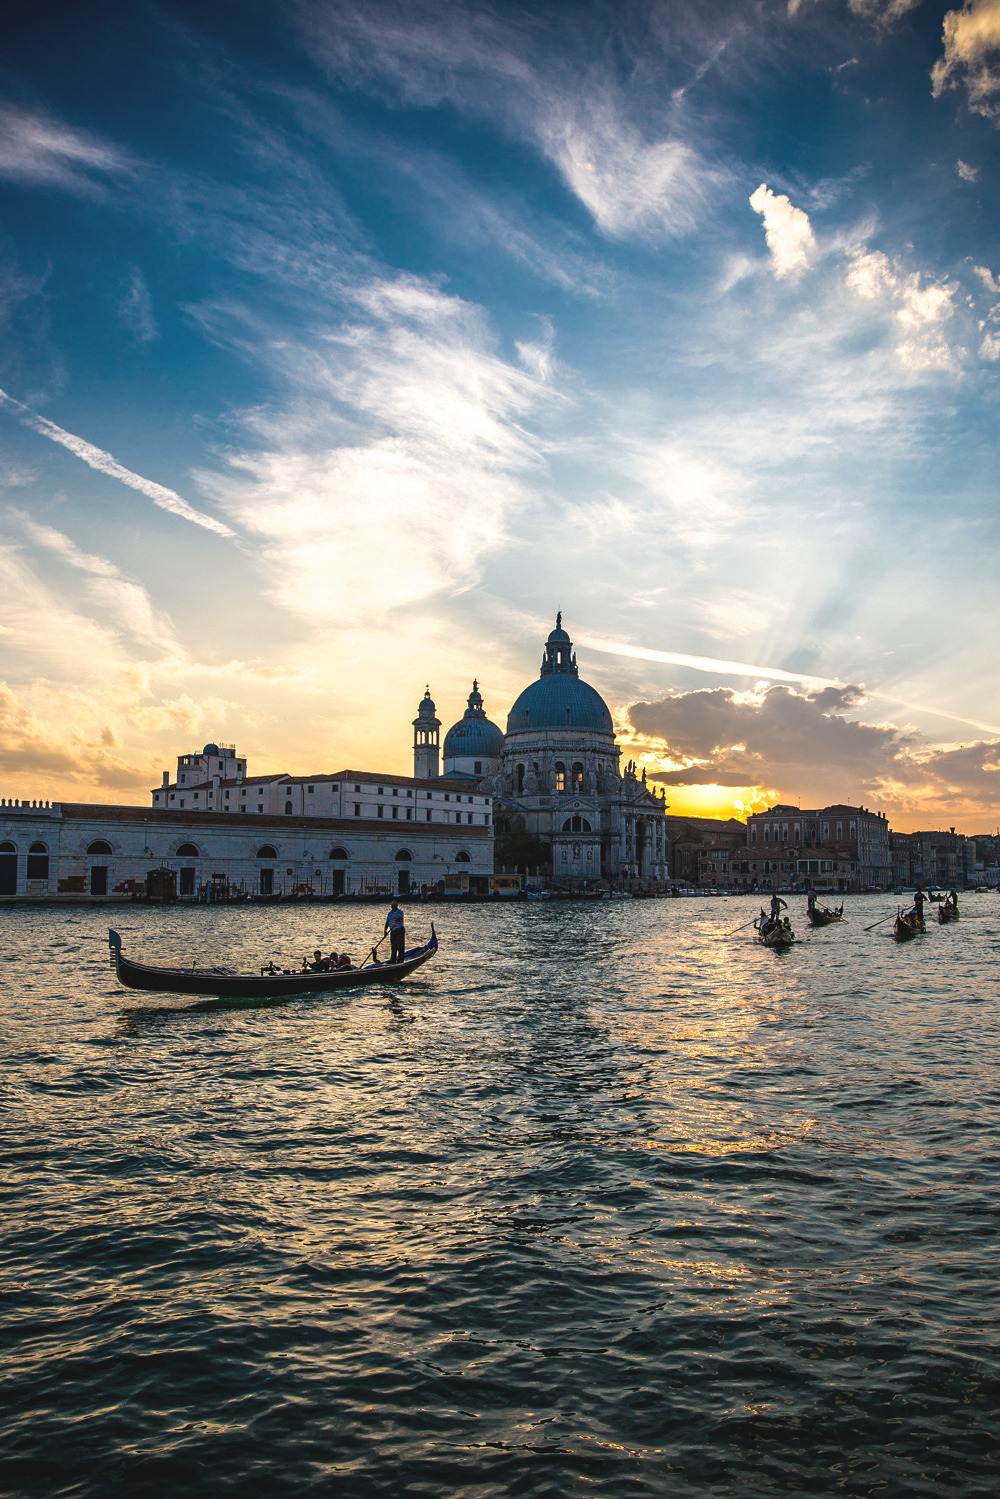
[341, 344]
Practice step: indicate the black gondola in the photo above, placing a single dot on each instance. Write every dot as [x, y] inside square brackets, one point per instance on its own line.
[947, 912]
[227, 984]
[905, 927]
[826, 916]
[774, 933]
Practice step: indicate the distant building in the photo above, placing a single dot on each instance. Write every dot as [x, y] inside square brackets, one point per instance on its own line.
[559, 769]
[388, 833]
[839, 847]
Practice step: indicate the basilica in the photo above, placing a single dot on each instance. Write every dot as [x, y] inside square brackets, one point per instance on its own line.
[215, 832]
[557, 764]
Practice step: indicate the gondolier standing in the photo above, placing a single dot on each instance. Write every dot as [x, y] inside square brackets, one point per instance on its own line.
[395, 925]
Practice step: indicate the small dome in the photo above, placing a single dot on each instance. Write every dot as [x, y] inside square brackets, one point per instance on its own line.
[474, 736]
[426, 710]
[211, 749]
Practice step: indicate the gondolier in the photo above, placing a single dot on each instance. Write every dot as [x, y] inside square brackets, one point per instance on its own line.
[395, 927]
[270, 982]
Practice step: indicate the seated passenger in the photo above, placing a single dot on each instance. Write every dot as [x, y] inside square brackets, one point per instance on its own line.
[344, 961]
[319, 963]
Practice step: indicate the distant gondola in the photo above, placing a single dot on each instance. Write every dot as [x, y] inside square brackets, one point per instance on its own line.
[947, 912]
[774, 933]
[227, 984]
[905, 927]
[825, 917]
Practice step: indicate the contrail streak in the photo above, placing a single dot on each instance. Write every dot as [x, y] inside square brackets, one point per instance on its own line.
[769, 673]
[167, 499]
[707, 663]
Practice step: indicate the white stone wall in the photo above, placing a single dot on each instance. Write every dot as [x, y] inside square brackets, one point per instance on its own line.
[227, 851]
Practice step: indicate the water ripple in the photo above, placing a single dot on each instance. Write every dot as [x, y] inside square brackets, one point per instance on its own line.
[602, 1203]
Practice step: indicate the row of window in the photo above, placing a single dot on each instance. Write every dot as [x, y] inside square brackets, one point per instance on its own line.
[571, 781]
[775, 832]
[39, 851]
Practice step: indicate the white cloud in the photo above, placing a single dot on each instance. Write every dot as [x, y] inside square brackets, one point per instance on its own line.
[967, 173]
[96, 458]
[630, 185]
[37, 149]
[633, 182]
[875, 10]
[972, 55]
[787, 230]
[919, 307]
[394, 464]
[127, 603]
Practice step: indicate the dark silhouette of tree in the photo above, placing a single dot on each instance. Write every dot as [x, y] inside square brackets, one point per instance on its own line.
[515, 848]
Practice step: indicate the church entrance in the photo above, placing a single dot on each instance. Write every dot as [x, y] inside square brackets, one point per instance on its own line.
[403, 882]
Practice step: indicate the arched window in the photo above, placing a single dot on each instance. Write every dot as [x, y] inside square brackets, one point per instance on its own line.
[577, 777]
[8, 869]
[576, 824]
[288, 809]
[520, 778]
[38, 862]
[266, 852]
[462, 857]
[338, 853]
[560, 776]
[186, 851]
[404, 856]
[99, 847]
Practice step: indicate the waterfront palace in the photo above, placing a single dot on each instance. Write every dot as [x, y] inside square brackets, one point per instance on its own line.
[214, 830]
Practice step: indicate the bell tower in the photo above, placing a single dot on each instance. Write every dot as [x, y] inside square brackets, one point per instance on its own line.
[426, 740]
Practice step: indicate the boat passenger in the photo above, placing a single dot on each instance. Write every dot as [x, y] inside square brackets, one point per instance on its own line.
[395, 926]
[319, 964]
[343, 962]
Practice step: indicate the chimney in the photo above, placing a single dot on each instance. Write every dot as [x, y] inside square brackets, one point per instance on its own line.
[166, 778]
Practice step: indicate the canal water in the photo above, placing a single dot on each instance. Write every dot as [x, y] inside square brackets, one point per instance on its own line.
[602, 1202]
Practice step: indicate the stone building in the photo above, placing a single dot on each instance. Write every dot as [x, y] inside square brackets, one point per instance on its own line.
[392, 834]
[559, 768]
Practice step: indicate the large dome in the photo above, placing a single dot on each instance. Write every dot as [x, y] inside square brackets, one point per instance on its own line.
[474, 736]
[559, 700]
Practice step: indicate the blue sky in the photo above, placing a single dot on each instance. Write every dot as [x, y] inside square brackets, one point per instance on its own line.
[342, 344]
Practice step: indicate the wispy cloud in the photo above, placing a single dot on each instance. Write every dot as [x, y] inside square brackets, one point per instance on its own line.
[104, 463]
[705, 663]
[396, 460]
[39, 150]
[136, 308]
[972, 56]
[634, 180]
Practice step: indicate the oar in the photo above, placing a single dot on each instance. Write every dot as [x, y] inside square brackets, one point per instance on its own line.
[741, 928]
[880, 923]
[375, 949]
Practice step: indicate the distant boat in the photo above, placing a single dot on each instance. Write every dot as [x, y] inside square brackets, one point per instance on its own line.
[947, 912]
[905, 927]
[824, 917]
[776, 934]
[227, 984]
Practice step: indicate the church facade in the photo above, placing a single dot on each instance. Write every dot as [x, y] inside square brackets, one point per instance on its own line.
[558, 765]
